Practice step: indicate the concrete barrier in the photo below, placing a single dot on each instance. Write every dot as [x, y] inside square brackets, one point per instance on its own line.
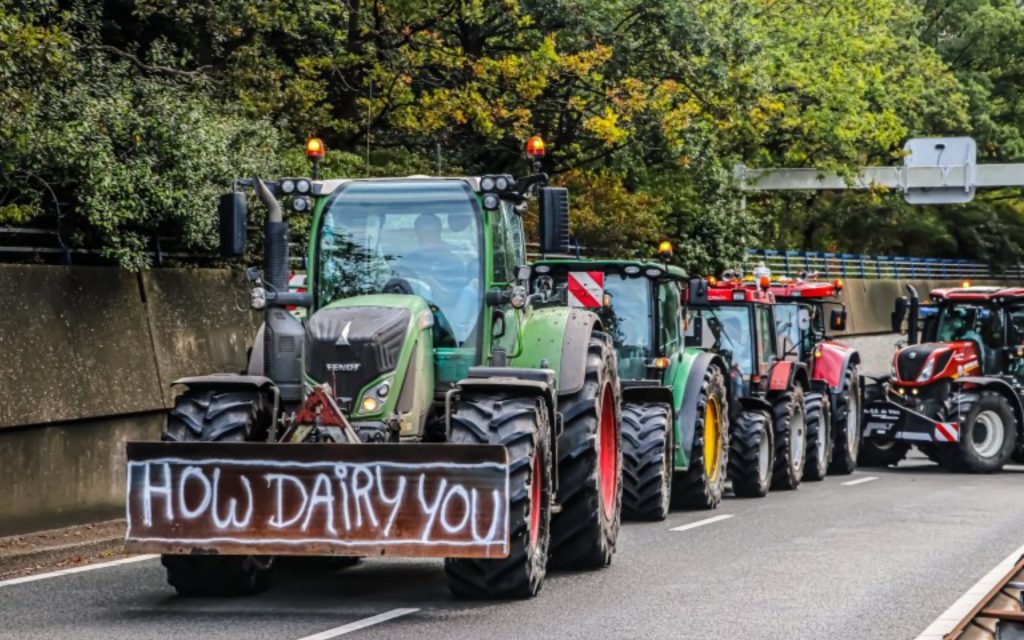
[86, 358]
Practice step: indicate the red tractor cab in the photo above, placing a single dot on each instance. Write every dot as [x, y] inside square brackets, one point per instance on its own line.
[806, 310]
[767, 414]
[956, 394]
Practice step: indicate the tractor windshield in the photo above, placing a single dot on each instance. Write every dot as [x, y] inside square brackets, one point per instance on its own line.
[416, 237]
[628, 320]
[727, 329]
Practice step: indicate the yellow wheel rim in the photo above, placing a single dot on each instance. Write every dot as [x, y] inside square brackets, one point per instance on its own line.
[712, 438]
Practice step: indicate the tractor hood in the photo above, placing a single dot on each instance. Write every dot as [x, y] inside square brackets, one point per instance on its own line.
[351, 344]
[922, 364]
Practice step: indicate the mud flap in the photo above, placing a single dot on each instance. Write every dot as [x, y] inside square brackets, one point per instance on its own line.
[415, 500]
[886, 420]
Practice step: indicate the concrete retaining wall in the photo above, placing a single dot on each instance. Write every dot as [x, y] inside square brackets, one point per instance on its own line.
[86, 359]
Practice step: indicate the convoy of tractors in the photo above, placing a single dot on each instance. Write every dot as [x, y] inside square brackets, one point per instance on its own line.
[444, 397]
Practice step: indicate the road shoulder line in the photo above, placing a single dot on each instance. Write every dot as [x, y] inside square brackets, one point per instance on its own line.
[701, 523]
[81, 569]
[359, 624]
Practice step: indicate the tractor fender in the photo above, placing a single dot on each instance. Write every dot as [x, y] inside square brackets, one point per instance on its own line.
[527, 382]
[686, 384]
[755, 404]
[1003, 388]
[646, 391]
[559, 337]
[787, 373]
[831, 360]
[234, 382]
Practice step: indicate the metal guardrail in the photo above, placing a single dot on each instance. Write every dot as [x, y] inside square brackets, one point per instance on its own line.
[853, 265]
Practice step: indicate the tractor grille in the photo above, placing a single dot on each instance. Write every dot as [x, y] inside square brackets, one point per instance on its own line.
[351, 346]
[911, 361]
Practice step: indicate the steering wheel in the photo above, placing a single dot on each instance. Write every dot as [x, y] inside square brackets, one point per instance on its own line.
[398, 285]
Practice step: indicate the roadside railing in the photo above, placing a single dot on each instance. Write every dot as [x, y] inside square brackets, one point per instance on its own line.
[854, 265]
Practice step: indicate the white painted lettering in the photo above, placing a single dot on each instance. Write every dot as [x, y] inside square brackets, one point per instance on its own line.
[456, 491]
[430, 509]
[395, 501]
[277, 520]
[341, 471]
[322, 495]
[232, 518]
[204, 503]
[495, 518]
[363, 493]
[149, 490]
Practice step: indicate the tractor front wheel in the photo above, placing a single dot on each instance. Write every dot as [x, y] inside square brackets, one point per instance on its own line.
[701, 486]
[521, 425]
[584, 532]
[205, 415]
[819, 436]
[751, 454]
[882, 452]
[988, 433]
[647, 450]
[790, 427]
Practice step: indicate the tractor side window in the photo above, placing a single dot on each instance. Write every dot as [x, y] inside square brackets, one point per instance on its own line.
[507, 238]
[1015, 330]
[787, 326]
[668, 327]
[765, 334]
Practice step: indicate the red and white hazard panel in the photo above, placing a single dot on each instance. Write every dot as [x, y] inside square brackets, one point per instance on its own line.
[586, 289]
[947, 432]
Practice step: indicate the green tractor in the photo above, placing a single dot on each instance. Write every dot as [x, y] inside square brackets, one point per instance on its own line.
[425, 408]
[674, 403]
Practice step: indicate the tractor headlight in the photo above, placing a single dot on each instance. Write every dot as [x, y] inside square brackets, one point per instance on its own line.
[632, 270]
[287, 186]
[491, 202]
[370, 404]
[487, 183]
[302, 186]
[501, 183]
[373, 400]
[518, 297]
[926, 373]
[258, 298]
[300, 204]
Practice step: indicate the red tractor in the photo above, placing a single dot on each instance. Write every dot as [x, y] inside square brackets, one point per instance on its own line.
[957, 394]
[768, 414]
[834, 369]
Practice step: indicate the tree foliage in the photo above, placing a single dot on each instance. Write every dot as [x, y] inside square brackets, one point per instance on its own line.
[131, 115]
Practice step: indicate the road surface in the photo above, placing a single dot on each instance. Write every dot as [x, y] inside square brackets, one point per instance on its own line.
[879, 554]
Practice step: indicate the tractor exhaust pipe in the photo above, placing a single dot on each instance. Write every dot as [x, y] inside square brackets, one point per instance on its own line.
[915, 310]
[275, 271]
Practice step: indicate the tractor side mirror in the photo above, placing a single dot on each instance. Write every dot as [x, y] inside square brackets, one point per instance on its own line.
[233, 214]
[698, 291]
[837, 320]
[899, 312]
[554, 220]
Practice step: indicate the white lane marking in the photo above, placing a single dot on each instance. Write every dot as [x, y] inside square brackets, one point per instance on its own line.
[953, 615]
[850, 483]
[86, 567]
[701, 523]
[1014, 467]
[359, 624]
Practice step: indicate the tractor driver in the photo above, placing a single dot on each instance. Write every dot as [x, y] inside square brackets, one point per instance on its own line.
[961, 327]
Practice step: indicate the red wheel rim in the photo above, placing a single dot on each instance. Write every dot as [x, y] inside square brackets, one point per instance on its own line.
[535, 494]
[608, 458]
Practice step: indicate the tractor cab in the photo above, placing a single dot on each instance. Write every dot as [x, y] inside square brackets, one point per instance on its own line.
[819, 298]
[623, 294]
[731, 317]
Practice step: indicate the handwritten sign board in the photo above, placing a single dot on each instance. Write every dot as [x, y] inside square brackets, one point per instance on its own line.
[432, 500]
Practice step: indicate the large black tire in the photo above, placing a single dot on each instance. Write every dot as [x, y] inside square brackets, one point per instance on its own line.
[988, 433]
[789, 426]
[701, 486]
[882, 453]
[847, 424]
[647, 447]
[751, 454]
[204, 415]
[584, 532]
[819, 436]
[521, 425]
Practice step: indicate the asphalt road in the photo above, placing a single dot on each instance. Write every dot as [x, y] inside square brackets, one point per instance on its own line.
[878, 559]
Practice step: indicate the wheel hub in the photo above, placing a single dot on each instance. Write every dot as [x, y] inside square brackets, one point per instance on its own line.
[712, 439]
[608, 452]
[988, 434]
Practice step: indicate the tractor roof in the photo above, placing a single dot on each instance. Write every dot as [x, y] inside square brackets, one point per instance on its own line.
[739, 291]
[615, 266]
[980, 294]
[804, 289]
[325, 187]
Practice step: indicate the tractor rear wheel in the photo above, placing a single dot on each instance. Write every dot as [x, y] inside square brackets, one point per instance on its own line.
[521, 425]
[988, 433]
[790, 429]
[205, 415]
[584, 532]
[846, 425]
[702, 485]
[882, 453]
[751, 454]
[647, 447]
[819, 436]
